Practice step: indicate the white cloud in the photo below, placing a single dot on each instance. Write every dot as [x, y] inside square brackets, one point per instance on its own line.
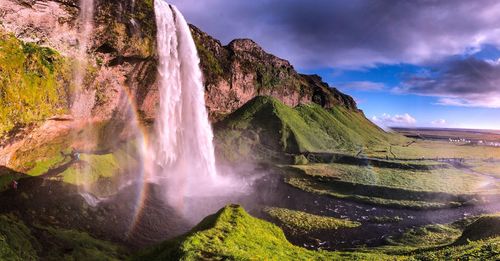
[362, 86]
[387, 120]
[492, 101]
[439, 122]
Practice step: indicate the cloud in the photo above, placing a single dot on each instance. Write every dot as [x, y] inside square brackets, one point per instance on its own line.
[468, 82]
[349, 34]
[440, 122]
[362, 86]
[386, 120]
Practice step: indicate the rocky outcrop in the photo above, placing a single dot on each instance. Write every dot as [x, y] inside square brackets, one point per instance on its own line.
[241, 70]
[122, 59]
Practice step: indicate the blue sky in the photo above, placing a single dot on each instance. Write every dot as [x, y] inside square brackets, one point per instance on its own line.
[374, 91]
[407, 63]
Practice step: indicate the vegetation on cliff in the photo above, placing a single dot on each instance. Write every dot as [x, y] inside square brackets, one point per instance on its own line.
[31, 86]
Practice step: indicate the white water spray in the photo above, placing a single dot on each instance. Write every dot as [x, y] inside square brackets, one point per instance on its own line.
[183, 152]
[82, 98]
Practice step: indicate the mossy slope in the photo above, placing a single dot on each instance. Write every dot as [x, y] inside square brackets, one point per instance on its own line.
[485, 227]
[265, 123]
[232, 234]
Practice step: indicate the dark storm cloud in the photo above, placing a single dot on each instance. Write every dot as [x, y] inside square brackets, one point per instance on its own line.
[464, 82]
[355, 33]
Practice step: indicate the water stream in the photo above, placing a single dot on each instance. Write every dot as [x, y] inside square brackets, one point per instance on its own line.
[183, 152]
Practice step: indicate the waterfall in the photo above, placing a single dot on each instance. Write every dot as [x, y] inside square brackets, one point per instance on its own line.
[83, 100]
[83, 97]
[183, 149]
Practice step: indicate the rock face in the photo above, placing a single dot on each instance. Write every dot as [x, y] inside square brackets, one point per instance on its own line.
[122, 59]
[236, 73]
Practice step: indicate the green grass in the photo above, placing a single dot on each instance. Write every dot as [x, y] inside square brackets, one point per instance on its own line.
[16, 241]
[385, 219]
[485, 166]
[232, 234]
[427, 236]
[484, 227]
[90, 169]
[302, 222]
[43, 166]
[74, 245]
[447, 180]
[320, 188]
[438, 149]
[478, 250]
[265, 123]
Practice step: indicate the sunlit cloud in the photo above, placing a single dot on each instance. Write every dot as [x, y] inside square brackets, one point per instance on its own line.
[387, 120]
[362, 86]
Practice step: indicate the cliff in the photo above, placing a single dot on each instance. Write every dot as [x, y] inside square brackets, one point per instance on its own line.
[241, 70]
[122, 59]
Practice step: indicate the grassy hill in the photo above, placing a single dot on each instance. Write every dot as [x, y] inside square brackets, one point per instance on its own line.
[232, 234]
[265, 125]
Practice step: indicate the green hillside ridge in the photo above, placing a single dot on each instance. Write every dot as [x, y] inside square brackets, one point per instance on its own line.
[232, 234]
[265, 123]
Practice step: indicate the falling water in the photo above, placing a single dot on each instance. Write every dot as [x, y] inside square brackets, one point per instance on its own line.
[183, 152]
[82, 98]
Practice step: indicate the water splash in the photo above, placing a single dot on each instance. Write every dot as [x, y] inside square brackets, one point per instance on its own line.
[183, 154]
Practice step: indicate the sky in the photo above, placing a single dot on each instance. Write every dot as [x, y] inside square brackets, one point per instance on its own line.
[422, 63]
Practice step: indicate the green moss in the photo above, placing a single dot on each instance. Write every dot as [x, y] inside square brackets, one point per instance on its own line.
[16, 241]
[302, 222]
[67, 244]
[300, 160]
[449, 180]
[31, 86]
[478, 250]
[232, 234]
[484, 227]
[385, 219]
[43, 166]
[36, 160]
[213, 69]
[268, 123]
[324, 188]
[90, 169]
[427, 236]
